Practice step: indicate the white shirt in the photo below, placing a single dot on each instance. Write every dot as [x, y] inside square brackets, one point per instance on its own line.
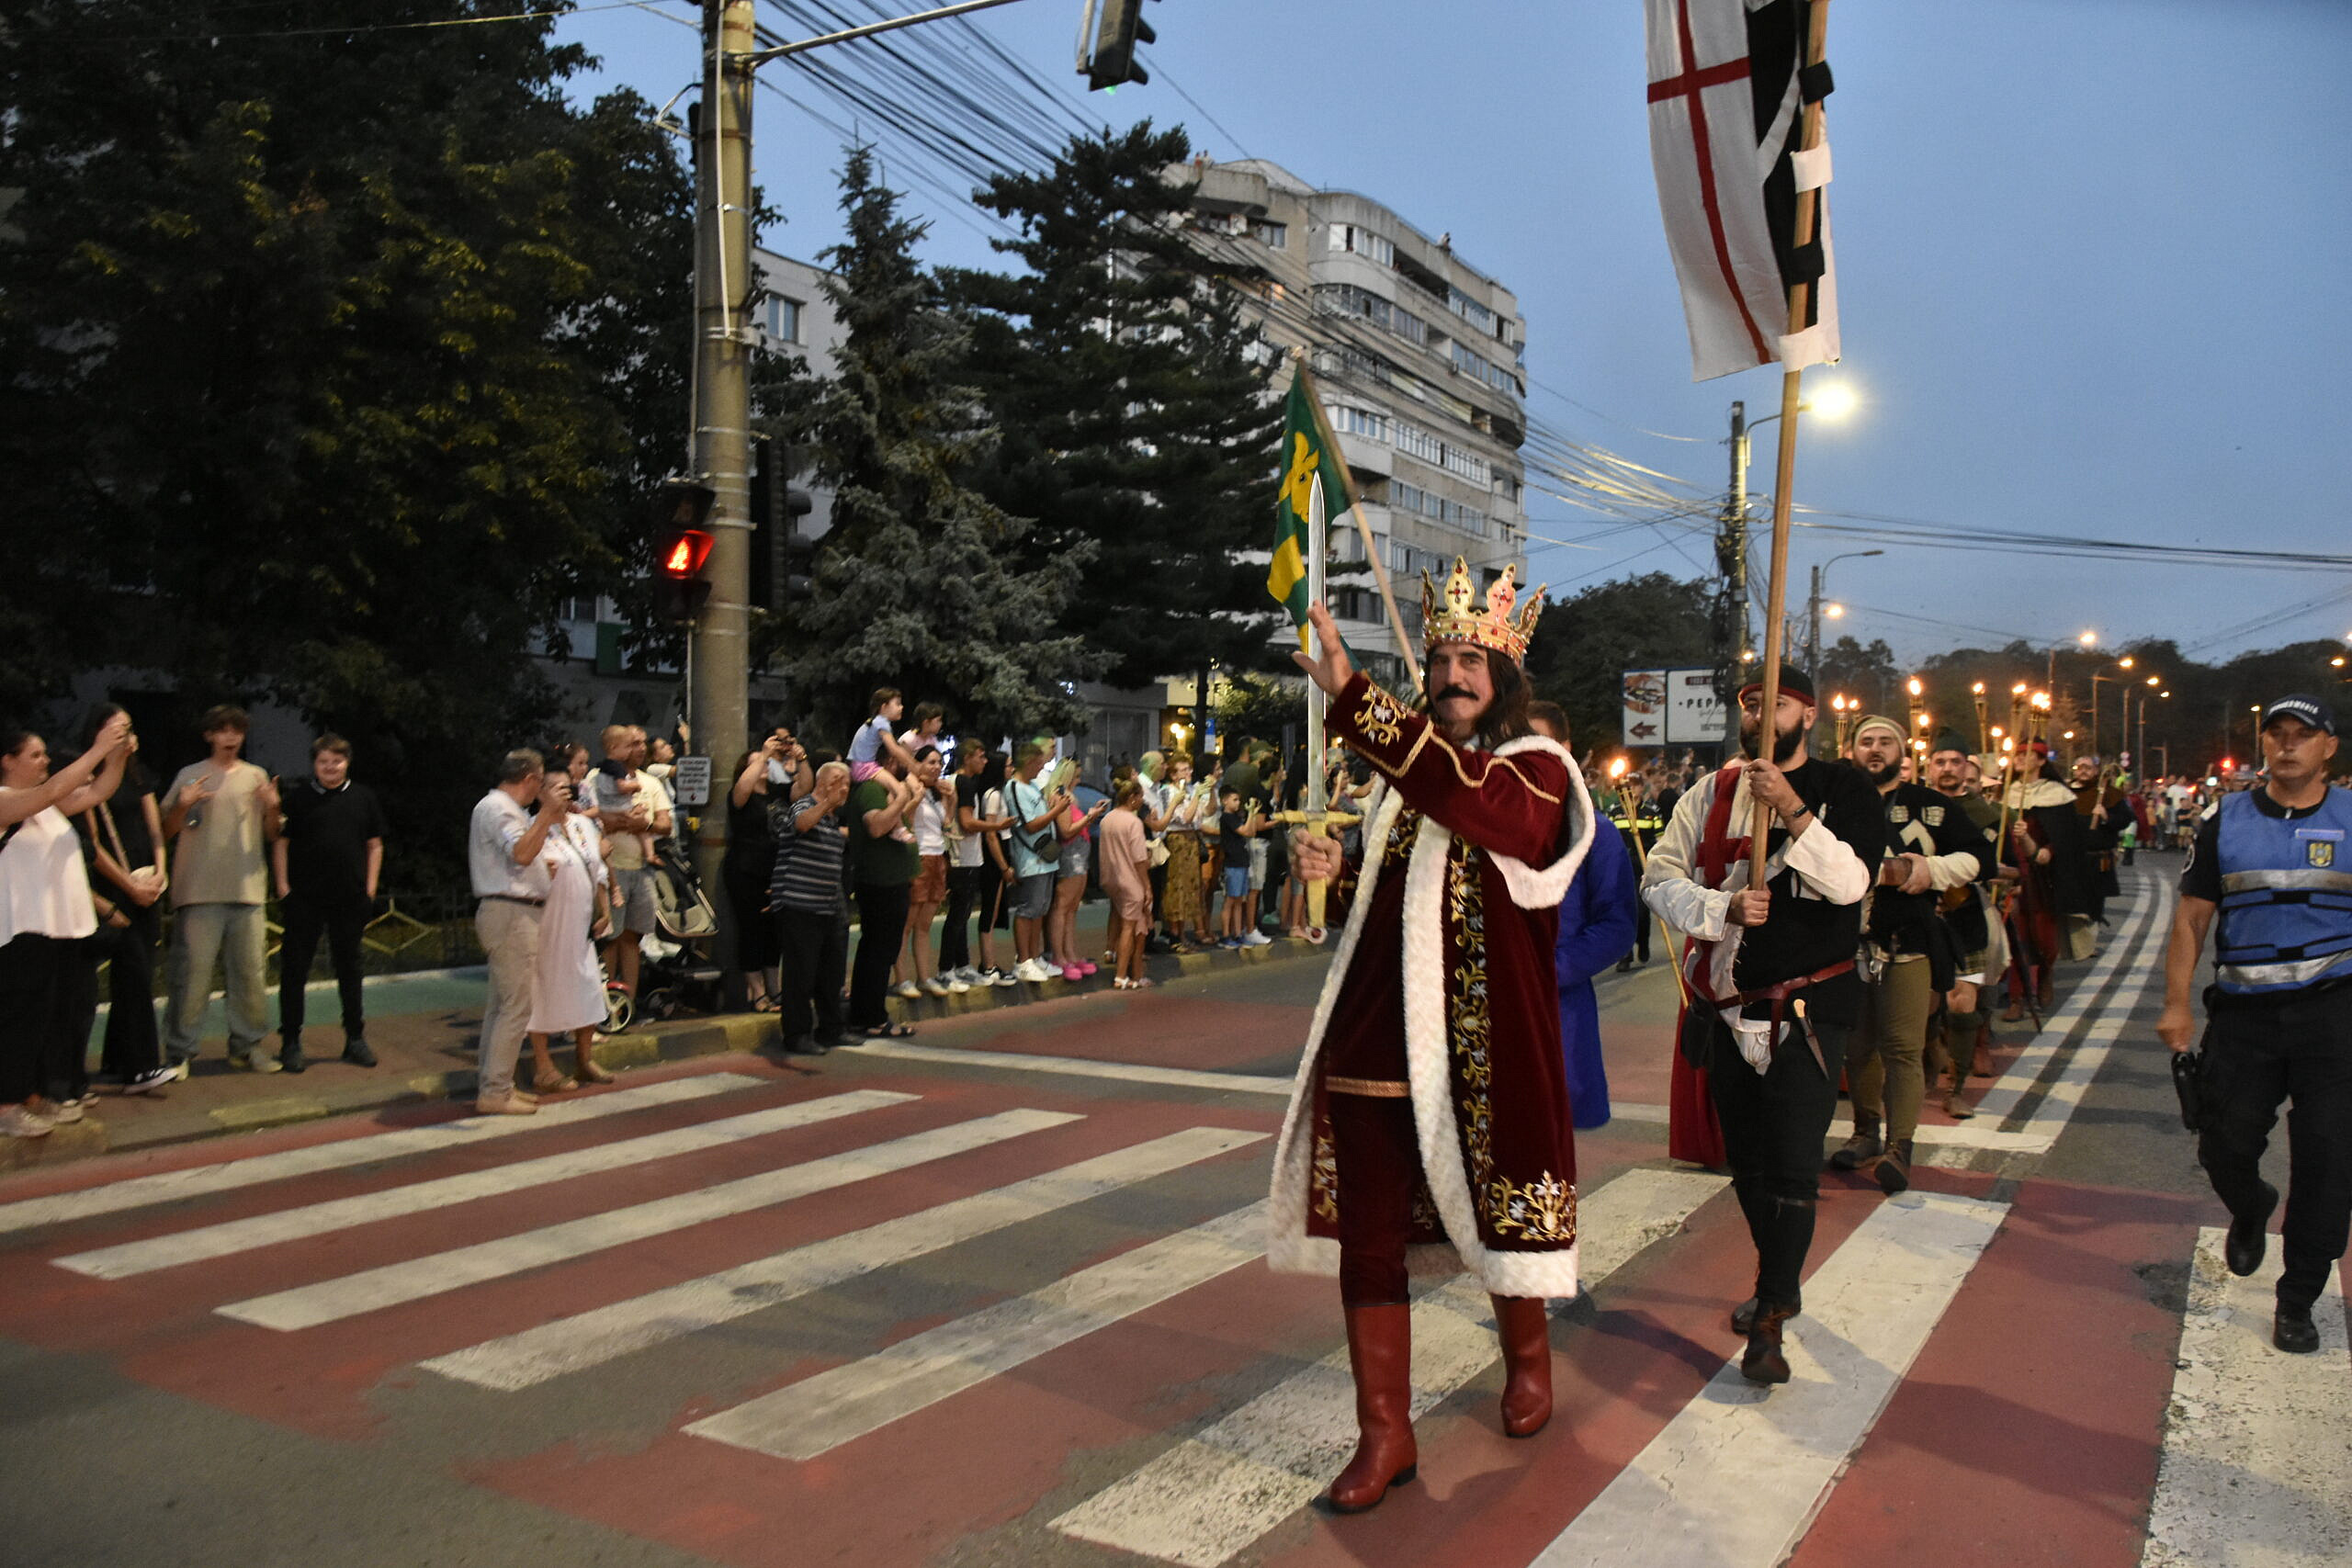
[498, 824]
[44, 887]
[930, 824]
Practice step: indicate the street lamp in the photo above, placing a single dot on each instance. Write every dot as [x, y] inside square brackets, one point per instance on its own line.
[1816, 607]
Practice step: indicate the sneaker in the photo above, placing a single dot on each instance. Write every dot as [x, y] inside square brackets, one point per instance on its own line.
[907, 990]
[1033, 970]
[971, 977]
[1256, 939]
[931, 986]
[358, 1052]
[178, 1067]
[953, 981]
[22, 1122]
[1002, 977]
[153, 1078]
[252, 1062]
[290, 1059]
[1230, 942]
[62, 1113]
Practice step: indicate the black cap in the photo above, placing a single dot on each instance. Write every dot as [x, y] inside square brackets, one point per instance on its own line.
[1794, 683]
[1949, 740]
[2309, 709]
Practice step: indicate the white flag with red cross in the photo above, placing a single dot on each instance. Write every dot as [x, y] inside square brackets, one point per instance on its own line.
[1728, 86]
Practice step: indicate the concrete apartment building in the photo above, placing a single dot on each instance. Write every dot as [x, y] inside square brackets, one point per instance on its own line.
[1419, 357]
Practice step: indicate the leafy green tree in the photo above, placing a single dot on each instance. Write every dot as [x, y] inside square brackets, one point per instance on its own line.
[1134, 404]
[1864, 673]
[333, 358]
[922, 583]
[1584, 644]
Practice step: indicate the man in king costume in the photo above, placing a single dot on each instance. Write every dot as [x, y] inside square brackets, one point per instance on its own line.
[1429, 1120]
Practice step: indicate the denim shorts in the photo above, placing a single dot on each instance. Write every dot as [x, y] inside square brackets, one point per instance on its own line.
[1033, 895]
[1237, 882]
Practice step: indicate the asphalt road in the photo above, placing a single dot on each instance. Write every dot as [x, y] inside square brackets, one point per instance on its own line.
[994, 1298]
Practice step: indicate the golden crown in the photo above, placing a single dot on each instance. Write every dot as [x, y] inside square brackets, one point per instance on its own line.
[1494, 630]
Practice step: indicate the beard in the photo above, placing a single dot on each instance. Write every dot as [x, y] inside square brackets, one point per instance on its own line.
[1784, 745]
[1881, 776]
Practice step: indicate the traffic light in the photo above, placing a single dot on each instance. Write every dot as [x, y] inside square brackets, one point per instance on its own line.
[1108, 31]
[783, 559]
[681, 547]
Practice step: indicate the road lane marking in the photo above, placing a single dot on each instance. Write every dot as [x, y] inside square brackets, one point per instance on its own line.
[1223, 1488]
[818, 1415]
[171, 1186]
[2257, 1443]
[373, 1289]
[1735, 1478]
[591, 1339]
[365, 1208]
[1081, 1066]
[2009, 1091]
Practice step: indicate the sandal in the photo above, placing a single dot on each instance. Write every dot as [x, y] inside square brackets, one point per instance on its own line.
[891, 1031]
[586, 1070]
[1120, 983]
[552, 1083]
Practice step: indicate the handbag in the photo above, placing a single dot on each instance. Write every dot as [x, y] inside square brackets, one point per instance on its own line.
[1047, 847]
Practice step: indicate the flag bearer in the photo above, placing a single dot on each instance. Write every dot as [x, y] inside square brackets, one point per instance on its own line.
[2273, 861]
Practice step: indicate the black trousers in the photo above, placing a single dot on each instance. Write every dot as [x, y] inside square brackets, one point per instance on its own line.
[967, 889]
[49, 995]
[133, 1042]
[2294, 1048]
[881, 931]
[302, 921]
[812, 955]
[1773, 1124]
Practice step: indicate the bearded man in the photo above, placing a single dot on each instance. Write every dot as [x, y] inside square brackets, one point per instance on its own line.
[1430, 1113]
[1908, 956]
[1771, 971]
[1954, 773]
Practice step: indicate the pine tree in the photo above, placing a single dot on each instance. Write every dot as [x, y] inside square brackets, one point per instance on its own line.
[1136, 406]
[923, 583]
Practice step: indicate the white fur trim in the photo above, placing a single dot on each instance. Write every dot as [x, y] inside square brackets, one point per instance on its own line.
[1543, 889]
[1289, 1249]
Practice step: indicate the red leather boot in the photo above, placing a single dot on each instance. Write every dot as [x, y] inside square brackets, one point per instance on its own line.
[1380, 1354]
[1525, 1328]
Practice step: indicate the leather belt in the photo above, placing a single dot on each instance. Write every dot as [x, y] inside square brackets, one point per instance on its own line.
[512, 898]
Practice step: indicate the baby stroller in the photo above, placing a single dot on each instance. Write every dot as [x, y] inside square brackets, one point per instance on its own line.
[675, 969]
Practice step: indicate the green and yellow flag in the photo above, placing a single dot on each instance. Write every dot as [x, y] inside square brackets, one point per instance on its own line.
[1309, 455]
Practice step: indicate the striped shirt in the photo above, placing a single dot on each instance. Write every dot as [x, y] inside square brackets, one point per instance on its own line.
[808, 876]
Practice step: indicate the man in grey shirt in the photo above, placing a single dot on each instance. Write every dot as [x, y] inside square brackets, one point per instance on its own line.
[503, 845]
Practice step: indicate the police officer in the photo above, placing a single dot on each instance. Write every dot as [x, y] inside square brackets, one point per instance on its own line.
[1641, 817]
[2273, 860]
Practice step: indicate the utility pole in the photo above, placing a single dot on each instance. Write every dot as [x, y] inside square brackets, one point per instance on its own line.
[718, 651]
[1813, 628]
[1731, 559]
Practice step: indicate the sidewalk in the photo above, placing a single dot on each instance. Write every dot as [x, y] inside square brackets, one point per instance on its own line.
[422, 1028]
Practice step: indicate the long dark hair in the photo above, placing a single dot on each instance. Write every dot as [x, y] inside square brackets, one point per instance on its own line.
[1506, 715]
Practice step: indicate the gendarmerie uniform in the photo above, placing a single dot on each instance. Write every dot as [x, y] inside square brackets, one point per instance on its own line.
[1771, 1005]
[2278, 1015]
[1429, 1119]
[1908, 960]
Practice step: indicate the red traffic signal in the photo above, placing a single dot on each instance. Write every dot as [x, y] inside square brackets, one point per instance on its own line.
[684, 552]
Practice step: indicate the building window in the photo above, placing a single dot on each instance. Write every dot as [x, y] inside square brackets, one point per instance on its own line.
[1348, 421]
[1273, 236]
[1362, 242]
[579, 609]
[783, 319]
[1416, 442]
[1470, 311]
[1470, 468]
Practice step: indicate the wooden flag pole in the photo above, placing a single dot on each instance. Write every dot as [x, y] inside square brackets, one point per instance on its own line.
[1364, 525]
[1791, 386]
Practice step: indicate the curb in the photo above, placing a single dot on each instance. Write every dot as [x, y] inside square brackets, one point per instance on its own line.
[645, 1046]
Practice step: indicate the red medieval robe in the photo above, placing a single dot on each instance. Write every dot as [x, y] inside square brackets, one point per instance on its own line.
[1443, 980]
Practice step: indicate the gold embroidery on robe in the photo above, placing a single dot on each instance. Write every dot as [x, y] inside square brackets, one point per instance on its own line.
[1544, 1210]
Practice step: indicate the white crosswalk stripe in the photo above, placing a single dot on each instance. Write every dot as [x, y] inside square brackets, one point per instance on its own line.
[591, 1339]
[1737, 1476]
[1082, 1066]
[1216, 1493]
[416, 1198]
[2257, 1443]
[2002, 1099]
[253, 1171]
[376, 1289]
[820, 1413]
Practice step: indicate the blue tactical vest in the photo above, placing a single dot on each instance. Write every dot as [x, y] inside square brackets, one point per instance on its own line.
[2285, 897]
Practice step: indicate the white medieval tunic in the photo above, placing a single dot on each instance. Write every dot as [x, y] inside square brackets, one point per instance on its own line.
[569, 990]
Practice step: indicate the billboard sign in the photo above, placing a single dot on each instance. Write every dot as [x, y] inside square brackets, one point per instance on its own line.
[1671, 707]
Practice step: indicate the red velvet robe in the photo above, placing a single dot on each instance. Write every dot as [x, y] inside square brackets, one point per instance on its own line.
[1443, 978]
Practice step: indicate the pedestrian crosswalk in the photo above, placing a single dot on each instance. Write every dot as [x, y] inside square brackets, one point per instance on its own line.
[774, 1194]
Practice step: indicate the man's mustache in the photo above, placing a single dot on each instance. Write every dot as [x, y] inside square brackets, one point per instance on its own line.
[1455, 692]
